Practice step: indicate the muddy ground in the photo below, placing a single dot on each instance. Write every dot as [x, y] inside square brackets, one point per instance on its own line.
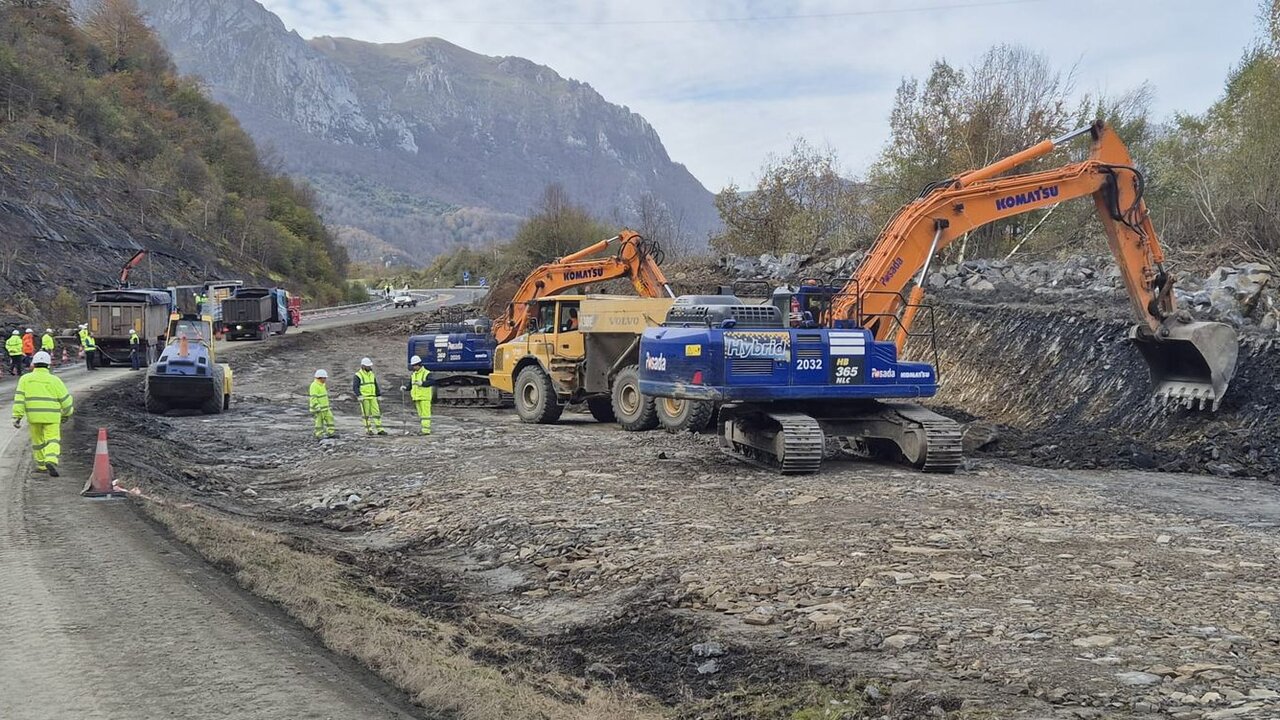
[651, 564]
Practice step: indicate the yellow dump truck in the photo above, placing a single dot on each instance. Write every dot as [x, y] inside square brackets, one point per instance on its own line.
[581, 349]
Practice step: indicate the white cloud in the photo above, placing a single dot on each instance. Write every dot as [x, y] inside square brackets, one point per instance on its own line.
[722, 95]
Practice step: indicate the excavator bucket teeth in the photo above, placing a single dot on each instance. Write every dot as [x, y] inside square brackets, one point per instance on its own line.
[1192, 365]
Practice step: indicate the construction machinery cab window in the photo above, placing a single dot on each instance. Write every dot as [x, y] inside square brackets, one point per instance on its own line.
[546, 317]
[189, 330]
[568, 316]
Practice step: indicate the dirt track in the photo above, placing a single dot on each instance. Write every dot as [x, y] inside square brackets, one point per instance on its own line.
[618, 557]
[104, 615]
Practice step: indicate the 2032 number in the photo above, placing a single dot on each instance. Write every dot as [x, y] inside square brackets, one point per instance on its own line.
[809, 364]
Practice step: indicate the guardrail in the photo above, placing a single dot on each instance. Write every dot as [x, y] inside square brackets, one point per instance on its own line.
[425, 294]
[340, 310]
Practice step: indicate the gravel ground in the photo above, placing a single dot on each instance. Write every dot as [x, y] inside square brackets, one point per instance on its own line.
[650, 559]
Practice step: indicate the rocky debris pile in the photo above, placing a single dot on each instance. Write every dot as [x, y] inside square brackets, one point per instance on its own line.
[789, 266]
[1242, 295]
[427, 322]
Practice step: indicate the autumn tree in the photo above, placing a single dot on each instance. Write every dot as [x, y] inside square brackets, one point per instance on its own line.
[118, 28]
[800, 204]
[557, 228]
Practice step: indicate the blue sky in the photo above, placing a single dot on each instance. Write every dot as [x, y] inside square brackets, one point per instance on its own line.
[723, 92]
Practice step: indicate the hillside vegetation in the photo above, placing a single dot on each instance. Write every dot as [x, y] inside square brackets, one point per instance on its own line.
[104, 150]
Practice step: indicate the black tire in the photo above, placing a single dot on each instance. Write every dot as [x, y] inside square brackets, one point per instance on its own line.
[155, 405]
[677, 416]
[536, 400]
[213, 405]
[226, 402]
[634, 411]
[601, 408]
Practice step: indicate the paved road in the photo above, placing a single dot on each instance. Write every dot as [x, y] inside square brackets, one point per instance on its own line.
[104, 616]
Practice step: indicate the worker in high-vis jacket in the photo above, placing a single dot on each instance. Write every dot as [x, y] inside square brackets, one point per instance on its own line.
[28, 348]
[13, 348]
[43, 400]
[47, 342]
[365, 387]
[135, 350]
[319, 406]
[90, 348]
[420, 391]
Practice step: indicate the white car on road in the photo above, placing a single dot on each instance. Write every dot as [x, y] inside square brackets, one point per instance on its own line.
[405, 300]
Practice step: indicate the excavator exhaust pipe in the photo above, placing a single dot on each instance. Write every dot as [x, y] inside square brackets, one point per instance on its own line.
[1191, 363]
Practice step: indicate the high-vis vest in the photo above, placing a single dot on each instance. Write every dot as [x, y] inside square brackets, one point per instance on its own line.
[46, 343]
[28, 344]
[13, 345]
[367, 383]
[134, 339]
[319, 396]
[42, 398]
[86, 340]
[417, 391]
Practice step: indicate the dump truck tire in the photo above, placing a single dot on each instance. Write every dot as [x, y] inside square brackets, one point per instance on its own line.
[535, 396]
[213, 405]
[601, 408]
[155, 405]
[677, 415]
[635, 411]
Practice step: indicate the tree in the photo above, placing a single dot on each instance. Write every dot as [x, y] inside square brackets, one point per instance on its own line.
[118, 28]
[557, 228]
[961, 119]
[800, 204]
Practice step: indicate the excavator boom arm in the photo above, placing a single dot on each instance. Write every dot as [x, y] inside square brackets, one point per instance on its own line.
[133, 263]
[1190, 362]
[875, 296]
[635, 259]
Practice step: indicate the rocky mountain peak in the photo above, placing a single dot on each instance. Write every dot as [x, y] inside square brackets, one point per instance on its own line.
[423, 143]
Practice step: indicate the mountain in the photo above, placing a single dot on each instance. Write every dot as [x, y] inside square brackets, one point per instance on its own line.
[424, 144]
[104, 151]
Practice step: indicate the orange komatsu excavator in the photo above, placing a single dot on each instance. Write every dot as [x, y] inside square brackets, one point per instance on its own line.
[783, 388]
[636, 258]
[460, 357]
[1190, 362]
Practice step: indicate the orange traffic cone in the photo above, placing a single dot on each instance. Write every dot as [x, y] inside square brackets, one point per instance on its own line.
[102, 482]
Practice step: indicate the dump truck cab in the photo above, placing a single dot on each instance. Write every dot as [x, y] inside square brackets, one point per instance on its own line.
[580, 349]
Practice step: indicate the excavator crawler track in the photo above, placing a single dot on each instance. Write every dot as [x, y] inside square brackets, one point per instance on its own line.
[944, 449]
[791, 443]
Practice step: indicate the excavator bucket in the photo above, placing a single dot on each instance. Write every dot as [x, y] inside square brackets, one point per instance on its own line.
[1193, 364]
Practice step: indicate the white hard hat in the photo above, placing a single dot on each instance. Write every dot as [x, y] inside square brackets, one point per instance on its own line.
[41, 358]
[83, 326]
[322, 373]
[15, 332]
[49, 330]
[133, 332]
[30, 330]
[366, 362]
[415, 360]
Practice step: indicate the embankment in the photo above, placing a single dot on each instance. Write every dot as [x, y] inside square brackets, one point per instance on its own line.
[1067, 389]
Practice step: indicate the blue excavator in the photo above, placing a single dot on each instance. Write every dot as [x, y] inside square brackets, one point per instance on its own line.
[823, 360]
